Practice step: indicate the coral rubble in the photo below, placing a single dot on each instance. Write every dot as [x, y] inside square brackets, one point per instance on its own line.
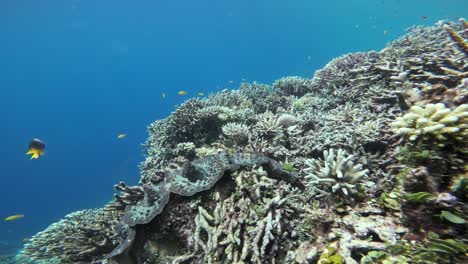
[363, 163]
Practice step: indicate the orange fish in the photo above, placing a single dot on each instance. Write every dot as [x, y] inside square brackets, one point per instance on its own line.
[36, 148]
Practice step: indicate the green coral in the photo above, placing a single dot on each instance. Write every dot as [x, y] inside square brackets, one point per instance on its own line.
[289, 167]
[390, 200]
[330, 255]
[433, 121]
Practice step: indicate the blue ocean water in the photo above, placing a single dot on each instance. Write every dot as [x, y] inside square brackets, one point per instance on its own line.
[78, 73]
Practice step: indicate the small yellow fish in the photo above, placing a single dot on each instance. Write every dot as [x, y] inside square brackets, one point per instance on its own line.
[231, 81]
[200, 94]
[120, 136]
[25, 240]
[36, 148]
[163, 95]
[14, 217]
[385, 32]
[181, 92]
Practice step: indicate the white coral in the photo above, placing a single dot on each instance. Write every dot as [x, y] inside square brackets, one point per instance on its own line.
[287, 120]
[237, 132]
[433, 121]
[268, 123]
[334, 173]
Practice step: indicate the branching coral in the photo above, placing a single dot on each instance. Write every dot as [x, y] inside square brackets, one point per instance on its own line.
[292, 85]
[287, 120]
[268, 124]
[239, 133]
[242, 229]
[336, 173]
[434, 122]
[193, 177]
[83, 236]
[186, 149]
[461, 43]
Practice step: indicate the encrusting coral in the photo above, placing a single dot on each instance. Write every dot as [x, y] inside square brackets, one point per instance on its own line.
[238, 177]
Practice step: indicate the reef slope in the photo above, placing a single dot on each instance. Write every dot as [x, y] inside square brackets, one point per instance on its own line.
[363, 163]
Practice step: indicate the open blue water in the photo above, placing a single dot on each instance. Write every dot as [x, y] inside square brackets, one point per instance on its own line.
[75, 73]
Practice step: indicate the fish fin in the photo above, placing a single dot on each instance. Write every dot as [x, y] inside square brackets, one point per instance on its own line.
[35, 153]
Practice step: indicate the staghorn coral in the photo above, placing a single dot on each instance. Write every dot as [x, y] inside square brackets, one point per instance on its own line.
[336, 173]
[434, 121]
[460, 42]
[83, 236]
[439, 93]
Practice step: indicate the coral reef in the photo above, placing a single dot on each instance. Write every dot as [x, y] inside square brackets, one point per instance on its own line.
[241, 229]
[434, 122]
[239, 133]
[336, 173]
[261, 174]
[82, 236]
